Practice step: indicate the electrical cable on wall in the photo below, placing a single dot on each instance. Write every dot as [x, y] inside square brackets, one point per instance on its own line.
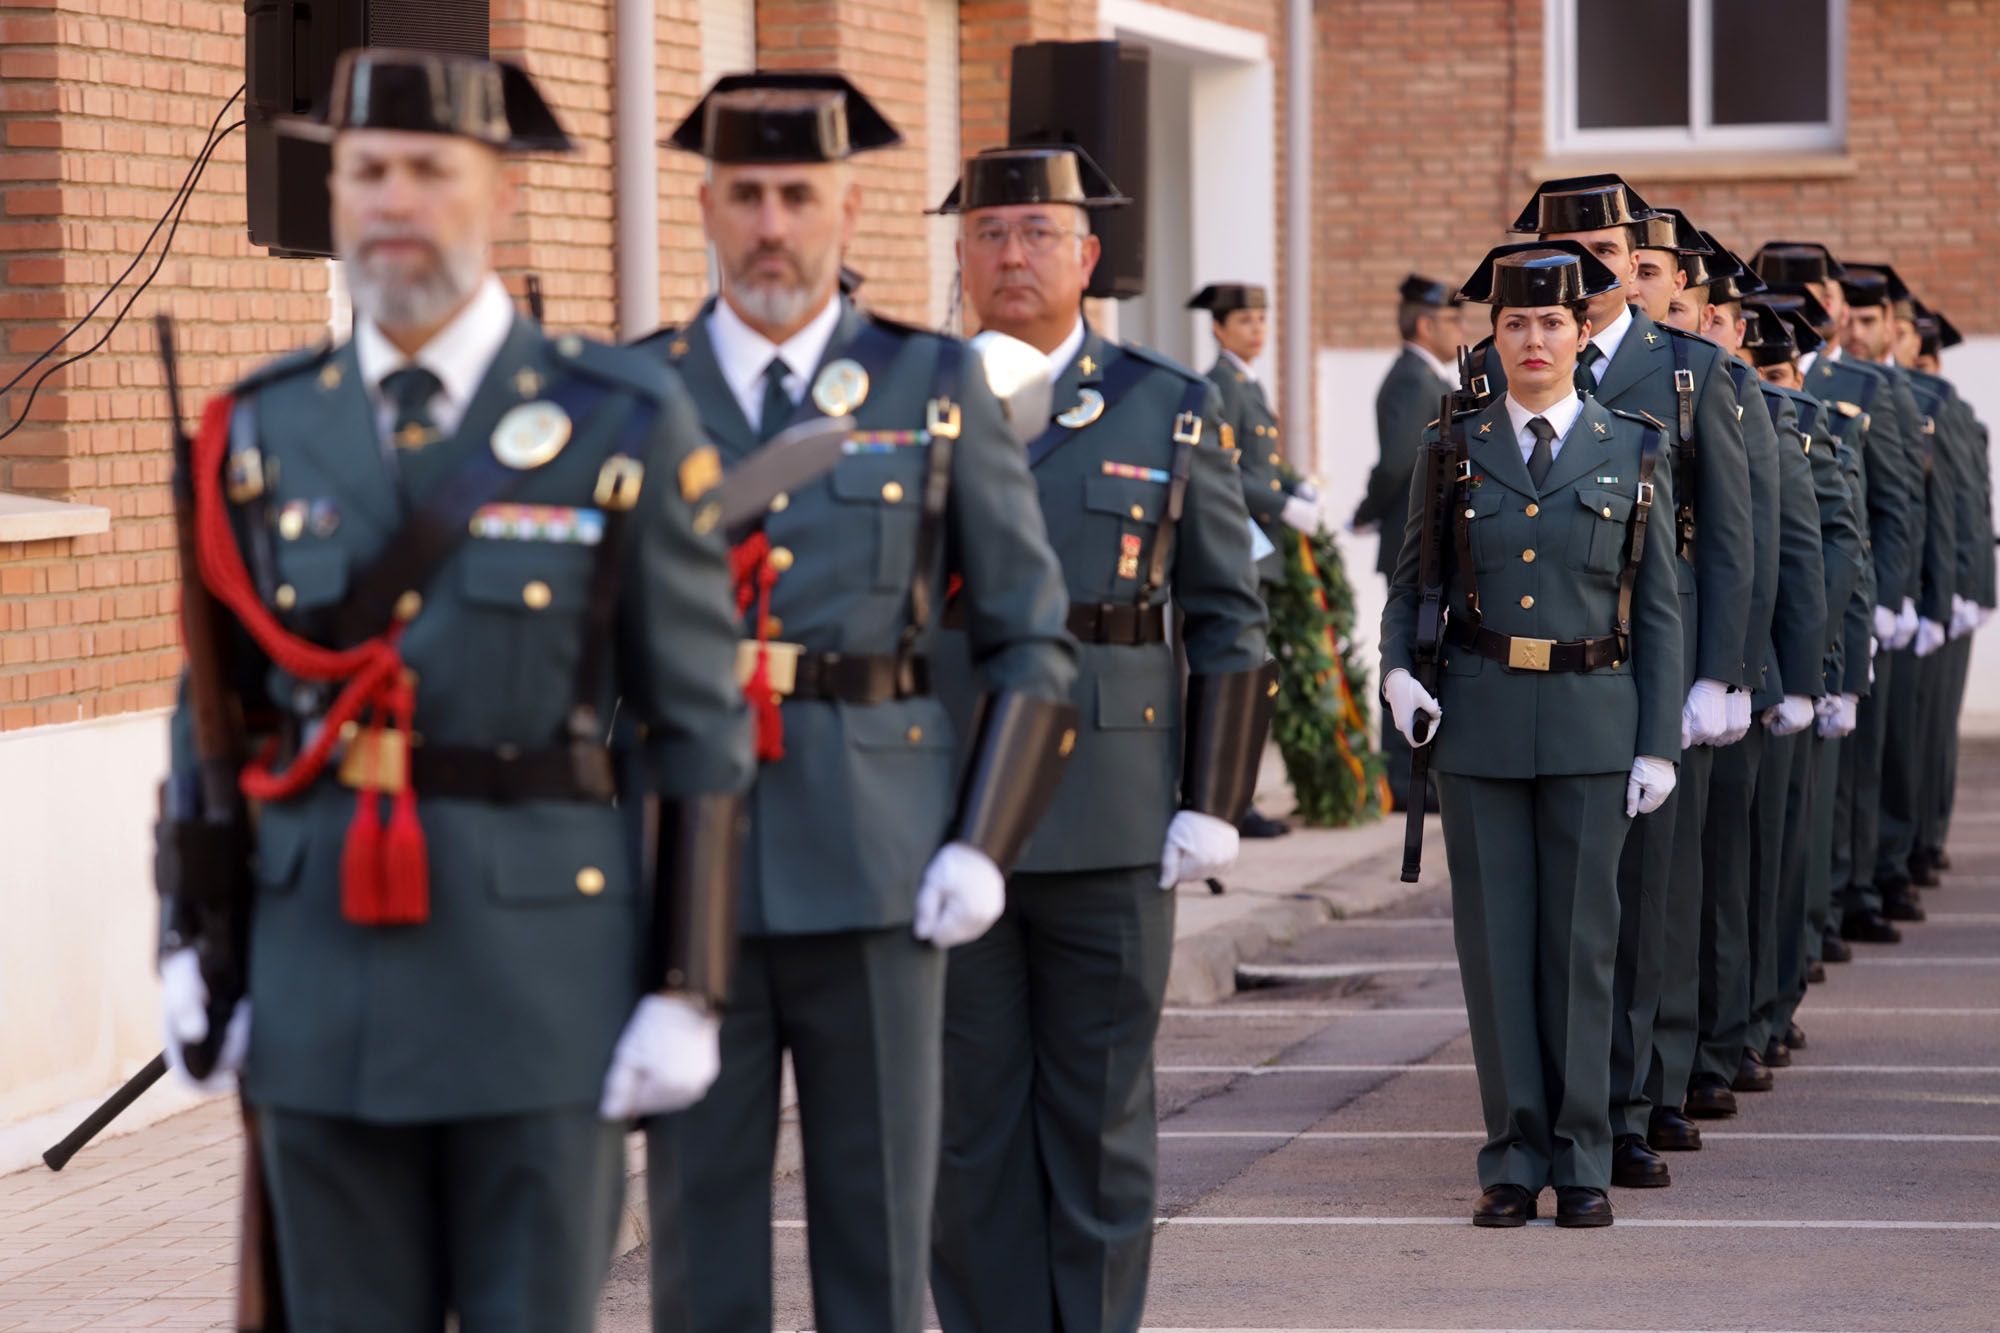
[176, 210]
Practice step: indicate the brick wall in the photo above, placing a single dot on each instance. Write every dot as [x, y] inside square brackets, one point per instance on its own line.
[1432, 185]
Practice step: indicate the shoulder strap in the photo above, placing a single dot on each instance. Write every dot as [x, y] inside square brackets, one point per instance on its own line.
[1462, 519]
[1683, 393]
[1120, 378]
[1187, 434]
[941, 421]
[1635, 538]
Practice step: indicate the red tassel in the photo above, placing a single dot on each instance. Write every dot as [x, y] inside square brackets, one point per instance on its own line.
[361, 864]
[750, 568]
[406, 876]
[764, 710]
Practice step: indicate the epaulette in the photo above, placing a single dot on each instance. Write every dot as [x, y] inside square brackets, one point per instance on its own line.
[624, 367]
[898, 327]
[660, 341]
[1706, 344]
[1162, 360]
[283, 367]
[1846, 408]
[1639, 418]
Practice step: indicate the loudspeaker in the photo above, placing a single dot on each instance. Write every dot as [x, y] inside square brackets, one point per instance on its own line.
[1092, 94]
[289, 47]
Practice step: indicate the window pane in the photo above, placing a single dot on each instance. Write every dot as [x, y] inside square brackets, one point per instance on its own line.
[1631, 63]
[1769, 62]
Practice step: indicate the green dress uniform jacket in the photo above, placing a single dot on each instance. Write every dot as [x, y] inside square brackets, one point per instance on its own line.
[1267, 481]
[1406, 402]
[1532, 769]
[1895, 533]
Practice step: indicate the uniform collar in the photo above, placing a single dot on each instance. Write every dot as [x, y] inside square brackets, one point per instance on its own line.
[1067, 349]
[458, 354]
[1243, 368]
[1807, 360]
[1613, 334]
[744, 354]
[1562, 416]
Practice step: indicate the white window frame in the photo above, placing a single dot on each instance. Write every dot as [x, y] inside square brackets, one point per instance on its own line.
[1560, 96]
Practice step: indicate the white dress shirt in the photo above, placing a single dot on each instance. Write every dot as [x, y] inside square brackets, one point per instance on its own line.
[1609, 340]
[1562, 416]
[1449, 374]
[1065, 353]
[1243, 368]
[1806, 361]
[458, 354]
[745, 354]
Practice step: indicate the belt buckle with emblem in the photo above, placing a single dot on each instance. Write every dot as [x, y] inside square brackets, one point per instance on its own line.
[1529, 654]
[783, 671]
[530, 435]
[840, 388]
[375, 761]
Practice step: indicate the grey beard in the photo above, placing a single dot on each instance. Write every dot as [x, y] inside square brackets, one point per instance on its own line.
[422, 303]
[774, 306]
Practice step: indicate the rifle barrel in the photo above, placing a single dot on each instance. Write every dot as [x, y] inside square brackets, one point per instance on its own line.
[109, 1110]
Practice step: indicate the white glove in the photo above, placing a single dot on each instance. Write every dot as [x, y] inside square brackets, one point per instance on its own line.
[1837, 715]
[1705, 715]
[184, 1011]
[1652, 782]
[1930, 636]
[1885, 626]
[1906, 625]
[1407, 701]
[1790, 717]
[1739, 703]
[1301, 514]
[669, 1053]
[1198, 846]
[962, 895]
[1964, 616]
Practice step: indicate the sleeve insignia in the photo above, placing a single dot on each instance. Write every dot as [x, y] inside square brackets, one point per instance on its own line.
[699, 473]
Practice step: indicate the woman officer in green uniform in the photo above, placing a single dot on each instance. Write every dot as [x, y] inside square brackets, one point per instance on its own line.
[1556, 719]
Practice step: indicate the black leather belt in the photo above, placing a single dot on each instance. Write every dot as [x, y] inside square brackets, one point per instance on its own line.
[580, 772]
[852, 679]
[1524, 654]
[1101, 622]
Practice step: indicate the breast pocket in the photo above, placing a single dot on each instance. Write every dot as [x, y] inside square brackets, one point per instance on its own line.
[885, 494]
[310, 576]
[1121, 524]
[1484, 510]
[1600, 530]
[524, 634]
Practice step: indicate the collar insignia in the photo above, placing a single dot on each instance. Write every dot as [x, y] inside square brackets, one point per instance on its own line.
[1651, 337]
[1485, 428]
[1598, 426]
[1086, 365]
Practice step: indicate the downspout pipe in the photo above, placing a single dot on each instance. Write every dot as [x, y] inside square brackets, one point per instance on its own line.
[636, 164]
[1300, 435]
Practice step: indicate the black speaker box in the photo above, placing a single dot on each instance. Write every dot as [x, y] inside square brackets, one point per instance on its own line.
[289, 47]
[1092, 94]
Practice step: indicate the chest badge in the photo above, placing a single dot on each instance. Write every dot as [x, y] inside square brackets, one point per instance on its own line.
[1089, 407]
[1128, 555]
[530, 435]
[841, 388]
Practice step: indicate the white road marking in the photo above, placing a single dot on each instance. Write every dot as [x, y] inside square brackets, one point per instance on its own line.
[1335, 971]
[1467, 1068]
[1707, 1136]
[1658, 1223]
[1964, 918]
[1928, 960]
[1322, 1011]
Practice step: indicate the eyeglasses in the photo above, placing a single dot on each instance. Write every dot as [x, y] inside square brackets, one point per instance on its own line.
[1038, 237]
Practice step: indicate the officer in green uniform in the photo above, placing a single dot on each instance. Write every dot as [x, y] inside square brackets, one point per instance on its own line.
[1045, 1201]
[1871, 338]
[1636, 364]
[496, 530]
[1432, 328]
[861, 871]
[1556, 723]
[1280, 502]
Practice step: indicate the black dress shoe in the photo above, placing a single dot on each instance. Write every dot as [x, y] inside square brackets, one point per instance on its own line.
[1816, 974]
[1923, 870]
[1670, 1131]
[1582, 1206]
[1634, 1166]
[1941, 859]
[1504, 1206]
[1752, 1075]
[1795, 1036]
[1255, 824]
[1833, 949]
[1901, 906]
[1777, 1055]
[1866, 927]
[1709, 1097]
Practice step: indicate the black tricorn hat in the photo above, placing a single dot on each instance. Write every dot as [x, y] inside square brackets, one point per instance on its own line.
[1864, 287]
[1581, 203]
[1729, 278]
[783, 115]
[1669, 229]
[1419, 290]
[1899, 294]
[1537, 273]
[433, 92]
[1770, 335]
[1797, 300]
[1795, 262]
[1222, 299]
[1031, 174]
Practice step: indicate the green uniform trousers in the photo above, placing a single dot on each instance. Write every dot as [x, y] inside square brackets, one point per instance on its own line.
[1863, 807]
[1943, 695]
[1822, 914]
[1947, 795]
[506, 1221]
[1727, 872]
[1904, 763]
[1676, 1022]
[1533, 864]
[1643, 887]
[1800, 919]
[1047, 1183]
[1777, 897]
[859, 1011]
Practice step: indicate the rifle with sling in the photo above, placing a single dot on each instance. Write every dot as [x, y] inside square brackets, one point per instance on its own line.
[205, 850]
[1440, 464]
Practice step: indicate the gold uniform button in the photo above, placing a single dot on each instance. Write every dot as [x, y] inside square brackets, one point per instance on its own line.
[1528, 556]
[1472, 513]
[349, 730]
[408, 605]
[914, 735]
[291, 523]
[1277, 485]
[1607, 511]
[1527, 603]
[286, 597]
[780, 502]
[1149, 713]
[590, 881]
[892, 491]
[1138, 511]
[780, 558]
[537, 595]
[1533, 509]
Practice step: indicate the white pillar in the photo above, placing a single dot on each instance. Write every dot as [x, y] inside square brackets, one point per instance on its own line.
[1298, 302]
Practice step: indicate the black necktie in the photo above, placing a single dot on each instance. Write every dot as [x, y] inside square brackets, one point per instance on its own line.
[1586, 381]
[1543, 457]
[409, 392]
[777, 403]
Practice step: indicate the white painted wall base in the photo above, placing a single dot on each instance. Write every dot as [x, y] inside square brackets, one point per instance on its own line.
[79, 1004]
